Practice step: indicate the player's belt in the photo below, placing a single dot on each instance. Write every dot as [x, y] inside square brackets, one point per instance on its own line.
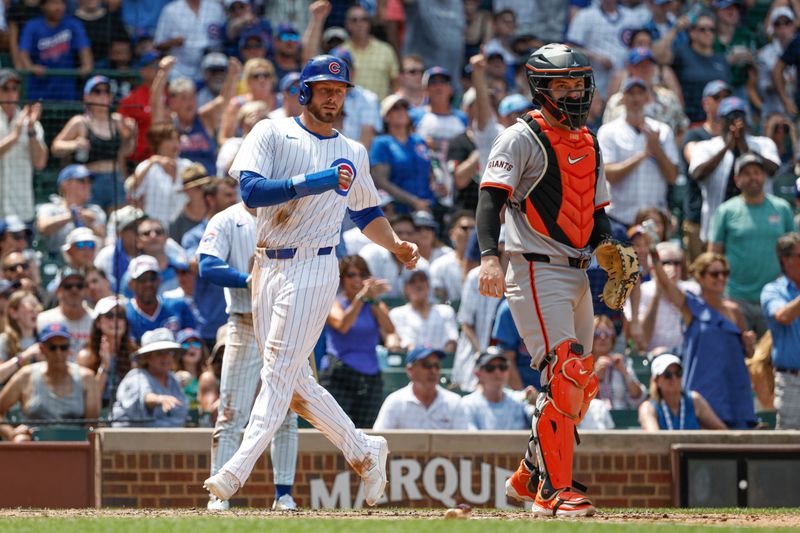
[289, 253]
[575, 262]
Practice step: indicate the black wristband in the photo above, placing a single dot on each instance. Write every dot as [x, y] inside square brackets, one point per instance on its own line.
[490, 252]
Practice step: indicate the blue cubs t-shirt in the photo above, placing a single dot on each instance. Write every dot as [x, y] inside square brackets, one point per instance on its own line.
[53, 47]
[409, 164]
[172, 313]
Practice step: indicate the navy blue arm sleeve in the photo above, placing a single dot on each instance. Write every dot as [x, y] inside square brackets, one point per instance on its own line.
[258, 191]
[363, 217]
[218, 272]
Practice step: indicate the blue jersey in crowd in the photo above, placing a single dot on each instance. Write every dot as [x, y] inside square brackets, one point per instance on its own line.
[785, 339]
[173, 314]
[409, 165]
[53, 47]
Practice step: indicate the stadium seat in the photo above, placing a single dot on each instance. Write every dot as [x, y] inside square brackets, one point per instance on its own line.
[767, 419]
[394, 379]
[54, 433]
[625, 418]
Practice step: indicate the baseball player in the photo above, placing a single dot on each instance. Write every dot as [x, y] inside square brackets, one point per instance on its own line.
[226, 253]
[302, 175]
[547, 169]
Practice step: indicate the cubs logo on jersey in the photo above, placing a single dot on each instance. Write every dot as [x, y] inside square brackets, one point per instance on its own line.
[345, 163]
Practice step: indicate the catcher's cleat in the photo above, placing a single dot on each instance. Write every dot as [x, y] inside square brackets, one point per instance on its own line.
[565, 503]
[517, 484]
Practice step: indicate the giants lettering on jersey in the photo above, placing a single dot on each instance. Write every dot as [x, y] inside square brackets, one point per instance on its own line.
[497, 163]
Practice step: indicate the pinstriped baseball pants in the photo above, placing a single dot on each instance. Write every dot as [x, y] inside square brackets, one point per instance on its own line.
[291, 302]
[240, 375]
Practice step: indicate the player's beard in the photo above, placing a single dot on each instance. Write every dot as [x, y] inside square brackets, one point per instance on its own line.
[324, 115]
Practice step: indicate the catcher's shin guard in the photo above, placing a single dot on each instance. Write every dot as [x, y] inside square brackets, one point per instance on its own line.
[571, 385]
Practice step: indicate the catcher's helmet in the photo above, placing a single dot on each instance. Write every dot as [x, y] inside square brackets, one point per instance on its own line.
[560, 61]
[322, 68]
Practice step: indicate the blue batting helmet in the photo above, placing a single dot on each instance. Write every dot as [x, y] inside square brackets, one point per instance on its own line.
[322, 68]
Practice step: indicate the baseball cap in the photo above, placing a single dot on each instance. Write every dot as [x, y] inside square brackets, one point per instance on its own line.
[630, 83]
[335, 32]
[731, 104]
[141, 265]
[287, 32]
[125, 216]
[640, 54]
[82, 234]
[781, 11]
[105, 305]
[214, 61]
[344, 54]
[423, 219]
[435, 71]
[493, 49]
[662, 362]
[55, 329]
[7, 74]
[390, 101]
[492, 352]
[252, 34]
[147, 59]
[715, 87]
[288, 80]
[421, 352]
[156, 340]
[72, 172]
[229, 3]
[747, 159]
[722, 4]
[195, 175]
[416, 273]
[513, 103]
[13, 224]
[186, 334]
[93, 82]
[70, 272]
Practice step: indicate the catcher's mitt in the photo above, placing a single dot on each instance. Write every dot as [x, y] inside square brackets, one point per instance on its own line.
[622, 266]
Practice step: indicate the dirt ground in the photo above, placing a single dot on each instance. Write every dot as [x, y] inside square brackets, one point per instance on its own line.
[755, 518]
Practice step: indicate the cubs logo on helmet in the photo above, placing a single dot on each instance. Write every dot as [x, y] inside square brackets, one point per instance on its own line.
[322, 68]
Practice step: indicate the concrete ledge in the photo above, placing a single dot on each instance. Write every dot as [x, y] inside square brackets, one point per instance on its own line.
[448, 442]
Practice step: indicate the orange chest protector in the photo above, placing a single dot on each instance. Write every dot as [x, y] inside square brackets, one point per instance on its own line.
[561, 204]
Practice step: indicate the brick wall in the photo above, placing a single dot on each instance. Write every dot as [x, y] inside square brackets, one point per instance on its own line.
[622, 469]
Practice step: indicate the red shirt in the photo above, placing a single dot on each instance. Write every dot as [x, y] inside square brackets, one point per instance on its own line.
[137, 106]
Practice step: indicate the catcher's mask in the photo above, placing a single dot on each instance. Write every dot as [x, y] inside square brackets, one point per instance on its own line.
[553, 61]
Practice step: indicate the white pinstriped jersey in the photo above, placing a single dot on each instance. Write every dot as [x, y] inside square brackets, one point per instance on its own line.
[280, 149]
[434, 330]
[231, 236]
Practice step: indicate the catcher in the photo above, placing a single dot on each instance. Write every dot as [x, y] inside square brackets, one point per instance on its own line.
[547, 170]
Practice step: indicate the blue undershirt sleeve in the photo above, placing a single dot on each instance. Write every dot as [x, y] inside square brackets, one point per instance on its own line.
[260, 192]
[363, 217]
[218, 272]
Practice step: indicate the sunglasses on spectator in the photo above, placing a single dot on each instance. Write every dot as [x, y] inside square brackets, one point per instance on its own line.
[10, 88]
[603, 334]
[193, 344]
[19, 235]
[69, 286]
[58, 347]
[351, 275]
[413, 71]
[720, 95]
[148, 277]
[467, 227]
[667, 374]
[155, 232]
[254, 45]
[289, 37]
[704, 29]
[490, 367]
[782, 22]
[100, 90]
[115, 316]
[673, 262]
[17, 266]
[358, 19]
[89, 245]
[717, 274]
[260, 76]
[430, 364]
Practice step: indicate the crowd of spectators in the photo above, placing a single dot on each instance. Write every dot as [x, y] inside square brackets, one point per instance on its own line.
[102, 309]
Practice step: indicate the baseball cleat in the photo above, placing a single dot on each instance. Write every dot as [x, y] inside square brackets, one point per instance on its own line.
[223, 485]
[566, 503]
[215, 504]
[517, 484]
[284, 503]
[375, 478]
